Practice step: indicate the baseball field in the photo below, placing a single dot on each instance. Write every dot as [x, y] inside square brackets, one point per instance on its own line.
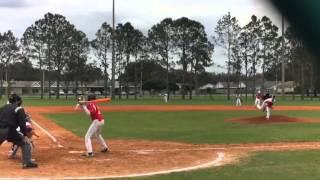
[199, 139]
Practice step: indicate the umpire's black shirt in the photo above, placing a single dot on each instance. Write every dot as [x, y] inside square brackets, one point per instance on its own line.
[13, 116]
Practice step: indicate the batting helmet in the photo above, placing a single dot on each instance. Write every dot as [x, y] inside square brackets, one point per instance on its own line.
[91, 97]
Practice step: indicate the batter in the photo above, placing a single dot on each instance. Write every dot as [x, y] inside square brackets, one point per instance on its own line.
[91, 109]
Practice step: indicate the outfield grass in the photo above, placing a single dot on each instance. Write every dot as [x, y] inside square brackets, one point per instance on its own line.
[195, 127]
[157, 100]
[293, 165]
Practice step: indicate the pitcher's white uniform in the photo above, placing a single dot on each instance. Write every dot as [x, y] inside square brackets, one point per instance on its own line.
[267, 106]
[92, 110]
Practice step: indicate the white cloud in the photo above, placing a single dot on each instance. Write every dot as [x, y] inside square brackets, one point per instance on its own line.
[12, 3]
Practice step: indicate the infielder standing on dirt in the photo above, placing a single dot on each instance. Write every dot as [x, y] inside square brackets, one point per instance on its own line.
[92, 110]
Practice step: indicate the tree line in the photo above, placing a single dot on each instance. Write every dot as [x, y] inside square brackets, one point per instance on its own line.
[258, 45]
[177, 51]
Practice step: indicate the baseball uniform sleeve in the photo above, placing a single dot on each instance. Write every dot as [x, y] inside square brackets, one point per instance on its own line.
[85, 109]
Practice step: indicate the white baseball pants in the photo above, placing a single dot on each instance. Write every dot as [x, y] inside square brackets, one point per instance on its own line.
[95, 129]
[238, 102]
[268, 112]
[266, 108]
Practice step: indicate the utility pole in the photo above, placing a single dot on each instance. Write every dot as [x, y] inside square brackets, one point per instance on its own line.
[228, 66]
[113, 56]
[141, 76]
[282, 60]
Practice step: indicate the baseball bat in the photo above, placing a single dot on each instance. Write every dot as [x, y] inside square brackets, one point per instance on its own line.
[97, 100]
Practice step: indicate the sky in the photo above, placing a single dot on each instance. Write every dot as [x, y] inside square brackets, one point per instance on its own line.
[88, 15]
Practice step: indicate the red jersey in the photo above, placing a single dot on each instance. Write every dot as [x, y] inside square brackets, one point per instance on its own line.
[94, 112]
[269, 102]
[259, 96]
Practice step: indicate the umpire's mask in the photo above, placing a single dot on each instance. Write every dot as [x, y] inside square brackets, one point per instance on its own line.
[15, 99]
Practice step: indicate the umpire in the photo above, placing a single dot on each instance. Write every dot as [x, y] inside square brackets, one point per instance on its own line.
[13, 116]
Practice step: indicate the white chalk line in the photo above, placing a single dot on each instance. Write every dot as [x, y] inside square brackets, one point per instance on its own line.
[93, 159]
[47, 133]
[213, 163]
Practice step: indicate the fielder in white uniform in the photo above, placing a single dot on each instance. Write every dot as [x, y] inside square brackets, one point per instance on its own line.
[165, 98]
[238, 100]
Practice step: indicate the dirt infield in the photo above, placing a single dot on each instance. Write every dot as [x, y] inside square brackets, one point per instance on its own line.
[129, 158]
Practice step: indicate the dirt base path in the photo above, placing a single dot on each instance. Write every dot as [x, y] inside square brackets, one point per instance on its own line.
[128, 158]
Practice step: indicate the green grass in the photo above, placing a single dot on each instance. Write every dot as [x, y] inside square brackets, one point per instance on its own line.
[194, 127]
[293, 165]
[146, 100]
[157, 100]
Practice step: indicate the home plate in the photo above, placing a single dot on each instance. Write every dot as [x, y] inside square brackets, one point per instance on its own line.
[60, 146]
[142, 152]
[76, 152]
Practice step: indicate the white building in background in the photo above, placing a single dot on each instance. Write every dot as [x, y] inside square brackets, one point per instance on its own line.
[241, 85]
[289, 87]
[222, 87]
[207, 86]
[34, 88]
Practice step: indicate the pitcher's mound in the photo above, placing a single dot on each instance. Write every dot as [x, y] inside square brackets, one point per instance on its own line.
[273, 119]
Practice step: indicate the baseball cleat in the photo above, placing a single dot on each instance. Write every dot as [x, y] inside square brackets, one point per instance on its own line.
[30, 165]
[105, 150]
[90, 154]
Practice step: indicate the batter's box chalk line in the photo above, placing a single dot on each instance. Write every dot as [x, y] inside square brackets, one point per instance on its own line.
[93, 159]
[54, 140]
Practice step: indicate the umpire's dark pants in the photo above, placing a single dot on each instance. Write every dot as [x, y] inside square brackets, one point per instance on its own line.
[3, 134]
[12, 135]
